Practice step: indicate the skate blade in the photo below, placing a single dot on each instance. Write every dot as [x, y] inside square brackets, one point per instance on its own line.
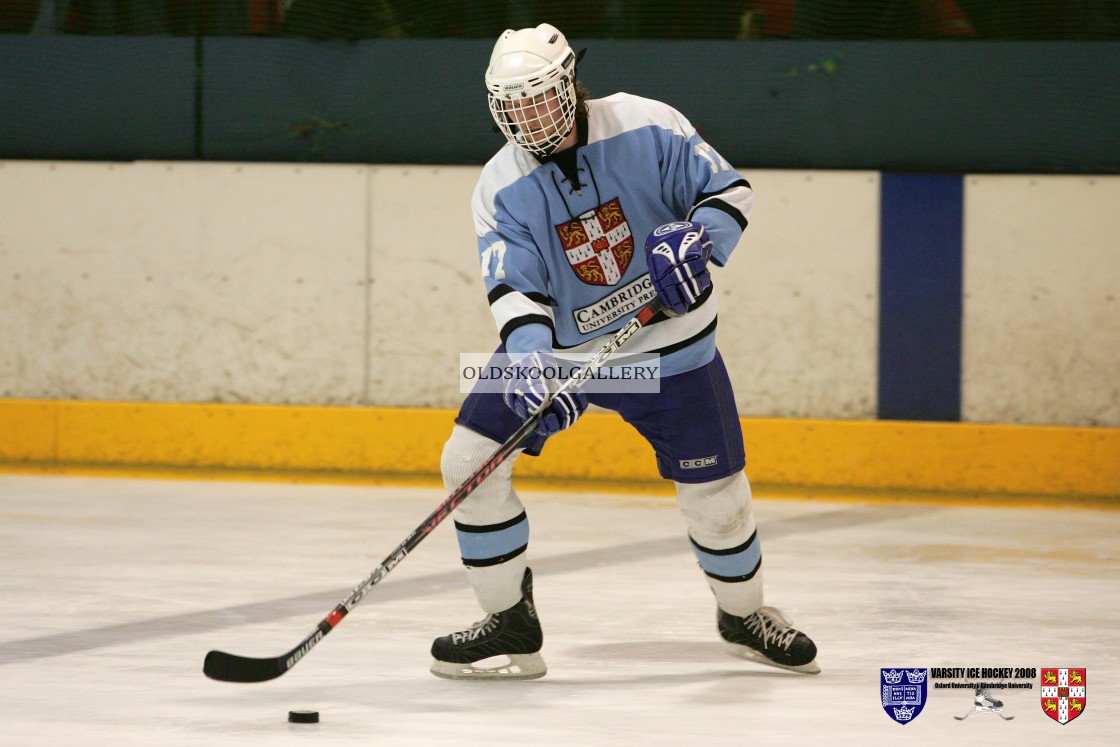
[519, 667]
[748, 653]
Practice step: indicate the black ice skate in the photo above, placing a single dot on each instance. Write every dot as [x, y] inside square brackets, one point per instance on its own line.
[768, 638]
[514, 634]
[985, 703]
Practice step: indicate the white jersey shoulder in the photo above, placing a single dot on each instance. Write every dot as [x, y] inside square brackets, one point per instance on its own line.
[508, 165]
[623, 112]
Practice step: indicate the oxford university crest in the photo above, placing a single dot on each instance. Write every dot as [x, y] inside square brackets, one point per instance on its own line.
[903, 692]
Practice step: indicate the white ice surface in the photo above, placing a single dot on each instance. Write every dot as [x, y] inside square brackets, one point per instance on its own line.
[113, 590]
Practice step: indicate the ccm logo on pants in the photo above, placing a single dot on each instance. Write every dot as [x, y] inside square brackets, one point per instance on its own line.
[698, 463]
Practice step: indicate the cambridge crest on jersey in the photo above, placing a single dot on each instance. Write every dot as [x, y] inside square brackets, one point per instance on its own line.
[598, 244]
[1063, 693]
[904, 692]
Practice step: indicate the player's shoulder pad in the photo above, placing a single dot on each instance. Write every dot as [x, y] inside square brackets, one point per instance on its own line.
[621, 112]
[506, 166]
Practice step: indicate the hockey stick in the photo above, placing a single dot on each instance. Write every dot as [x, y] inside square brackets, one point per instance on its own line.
[220, 665]
[998, 713]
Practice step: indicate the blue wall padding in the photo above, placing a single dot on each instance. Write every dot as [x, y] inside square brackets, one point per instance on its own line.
[931, 107]
[105, 98]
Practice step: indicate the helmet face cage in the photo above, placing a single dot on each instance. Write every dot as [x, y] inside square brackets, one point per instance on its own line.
[536, 118]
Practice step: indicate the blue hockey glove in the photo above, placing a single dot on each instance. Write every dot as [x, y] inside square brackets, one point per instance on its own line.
[677, 255]
[533, 378]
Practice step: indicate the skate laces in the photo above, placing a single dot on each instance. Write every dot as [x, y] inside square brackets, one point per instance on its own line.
[483, 627]
[486, 625]
[771, 627]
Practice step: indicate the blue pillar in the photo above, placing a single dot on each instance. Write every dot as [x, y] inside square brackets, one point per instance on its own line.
[920, 288]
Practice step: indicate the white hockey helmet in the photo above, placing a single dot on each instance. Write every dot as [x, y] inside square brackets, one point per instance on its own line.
[531, 80]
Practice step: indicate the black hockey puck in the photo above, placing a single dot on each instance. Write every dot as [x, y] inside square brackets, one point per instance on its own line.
[303, 717]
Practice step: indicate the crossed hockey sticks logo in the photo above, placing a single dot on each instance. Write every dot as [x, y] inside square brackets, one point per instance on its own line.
[983, 702]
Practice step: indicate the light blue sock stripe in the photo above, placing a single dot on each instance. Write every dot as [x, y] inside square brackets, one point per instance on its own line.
[740, 564]
[486, 545]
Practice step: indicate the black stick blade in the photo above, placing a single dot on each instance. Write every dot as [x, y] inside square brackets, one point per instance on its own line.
[230, 668]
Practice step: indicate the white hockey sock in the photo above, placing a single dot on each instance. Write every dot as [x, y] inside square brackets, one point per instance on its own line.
[725, 541]
[497, 586]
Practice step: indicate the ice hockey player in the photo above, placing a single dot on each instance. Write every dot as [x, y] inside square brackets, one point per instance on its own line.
[557, 212]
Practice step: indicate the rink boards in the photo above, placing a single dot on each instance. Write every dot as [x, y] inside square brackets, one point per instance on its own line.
[857, 304]
[363, 444]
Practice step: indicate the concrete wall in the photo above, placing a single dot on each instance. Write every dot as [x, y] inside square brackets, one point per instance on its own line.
[358, 285]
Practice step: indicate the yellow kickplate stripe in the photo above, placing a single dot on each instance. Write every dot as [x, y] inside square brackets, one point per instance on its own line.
[864, 455]
[254, 437]
[937, 456]
[28, 431]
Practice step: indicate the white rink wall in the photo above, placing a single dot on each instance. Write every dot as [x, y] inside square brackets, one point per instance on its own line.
[359, 285]
[1041, 339]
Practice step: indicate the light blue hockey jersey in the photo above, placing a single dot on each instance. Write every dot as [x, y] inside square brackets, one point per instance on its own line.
[562, 254]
